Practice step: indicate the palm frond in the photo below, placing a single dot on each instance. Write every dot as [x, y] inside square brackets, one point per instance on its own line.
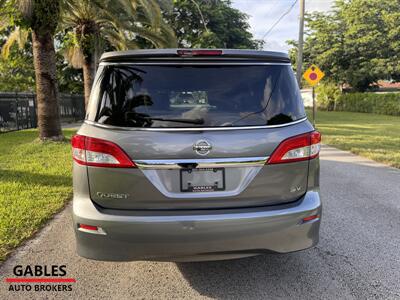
[168, 33]
[19, 36]
[117, 39]
[74, 56]
[120, 22]
[4, 14]
[151, 12]
[26, 8]
[162, 37]
[3, 22]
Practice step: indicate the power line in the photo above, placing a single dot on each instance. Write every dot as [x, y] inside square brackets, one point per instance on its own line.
[280, 18]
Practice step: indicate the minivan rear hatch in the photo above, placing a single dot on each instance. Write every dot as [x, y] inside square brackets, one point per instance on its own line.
[200, 133]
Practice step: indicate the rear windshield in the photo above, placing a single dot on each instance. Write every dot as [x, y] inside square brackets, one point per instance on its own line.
[197, 96]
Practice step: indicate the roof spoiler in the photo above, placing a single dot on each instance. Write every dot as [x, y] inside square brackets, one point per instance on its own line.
[197, 54]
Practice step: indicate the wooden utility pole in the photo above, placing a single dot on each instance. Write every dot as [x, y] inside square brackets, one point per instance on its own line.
[300, 46]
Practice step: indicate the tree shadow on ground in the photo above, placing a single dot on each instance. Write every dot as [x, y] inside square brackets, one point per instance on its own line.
[260, 277]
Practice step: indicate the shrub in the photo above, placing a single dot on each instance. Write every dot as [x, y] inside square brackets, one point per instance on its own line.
[386, 104]
[327, 95]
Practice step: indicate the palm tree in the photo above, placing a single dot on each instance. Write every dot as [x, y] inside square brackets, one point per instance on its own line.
[91, 25]
[40, 19]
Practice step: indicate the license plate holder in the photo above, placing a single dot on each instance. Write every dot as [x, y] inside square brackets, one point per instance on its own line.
[202, 180]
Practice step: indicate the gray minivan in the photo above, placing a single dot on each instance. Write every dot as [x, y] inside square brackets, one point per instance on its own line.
[195, 154]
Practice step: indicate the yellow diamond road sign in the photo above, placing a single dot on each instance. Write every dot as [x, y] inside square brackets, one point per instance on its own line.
[313, 75]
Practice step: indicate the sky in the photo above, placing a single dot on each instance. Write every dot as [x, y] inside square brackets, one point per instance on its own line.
[264, 13]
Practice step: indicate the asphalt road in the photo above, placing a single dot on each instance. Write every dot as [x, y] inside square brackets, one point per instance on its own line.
[358, 256]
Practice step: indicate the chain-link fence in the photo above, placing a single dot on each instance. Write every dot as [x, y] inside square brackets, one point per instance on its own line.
[18, 110]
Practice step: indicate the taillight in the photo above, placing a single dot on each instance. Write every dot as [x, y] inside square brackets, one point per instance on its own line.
[301, 147]
[90, 151]
[188, 52]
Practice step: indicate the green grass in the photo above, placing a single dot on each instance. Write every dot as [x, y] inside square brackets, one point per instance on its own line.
[35, 177]
[374, 136]
[35, 183]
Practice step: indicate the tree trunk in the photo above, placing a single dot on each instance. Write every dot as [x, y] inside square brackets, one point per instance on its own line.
[88, 76]
[44, 58]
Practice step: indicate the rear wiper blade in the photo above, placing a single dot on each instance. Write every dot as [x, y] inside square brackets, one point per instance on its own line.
[188, 121]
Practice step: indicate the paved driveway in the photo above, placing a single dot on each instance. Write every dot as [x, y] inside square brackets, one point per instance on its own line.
[358, 256]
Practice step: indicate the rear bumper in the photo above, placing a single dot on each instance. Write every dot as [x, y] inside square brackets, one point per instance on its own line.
[197, 235]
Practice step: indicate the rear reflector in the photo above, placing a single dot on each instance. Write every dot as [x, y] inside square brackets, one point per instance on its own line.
[310, 218]
[90, 229]
[301, 147]
[99, 153]
[199, 52]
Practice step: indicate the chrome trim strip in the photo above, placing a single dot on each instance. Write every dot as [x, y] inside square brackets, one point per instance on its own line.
[193, 128]
[194, 63]
[171, 164]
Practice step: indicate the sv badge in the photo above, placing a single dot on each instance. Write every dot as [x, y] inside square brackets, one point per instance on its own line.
[295, 189]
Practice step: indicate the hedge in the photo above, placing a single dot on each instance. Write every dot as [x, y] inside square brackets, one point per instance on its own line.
[330, 98]
[385, 104]
[327, 94]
